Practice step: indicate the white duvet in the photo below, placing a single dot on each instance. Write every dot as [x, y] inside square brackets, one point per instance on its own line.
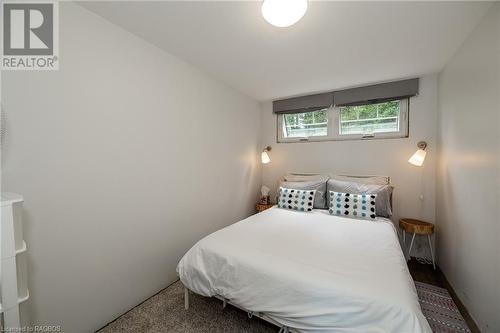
[309, 271]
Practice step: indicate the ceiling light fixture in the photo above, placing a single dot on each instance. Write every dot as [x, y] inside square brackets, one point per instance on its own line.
[283, 13]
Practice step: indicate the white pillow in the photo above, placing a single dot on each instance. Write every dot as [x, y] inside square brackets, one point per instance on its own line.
[318, 185]
[383, 192]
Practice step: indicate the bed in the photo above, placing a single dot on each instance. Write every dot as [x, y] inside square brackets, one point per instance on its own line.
[308, 272]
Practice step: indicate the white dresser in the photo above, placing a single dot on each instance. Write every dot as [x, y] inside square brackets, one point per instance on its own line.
[13, 270]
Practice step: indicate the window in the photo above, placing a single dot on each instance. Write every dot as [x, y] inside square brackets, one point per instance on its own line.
[304, 125]
[370, 121]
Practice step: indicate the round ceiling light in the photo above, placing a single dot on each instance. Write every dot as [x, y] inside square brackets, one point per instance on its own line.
[283, 13]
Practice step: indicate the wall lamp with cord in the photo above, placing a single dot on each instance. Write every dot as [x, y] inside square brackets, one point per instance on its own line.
[264, 156]
[418, 158]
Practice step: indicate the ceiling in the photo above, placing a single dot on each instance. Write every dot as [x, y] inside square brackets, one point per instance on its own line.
[335, 45]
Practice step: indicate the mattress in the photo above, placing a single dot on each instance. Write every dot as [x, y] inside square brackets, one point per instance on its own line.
[313, 272]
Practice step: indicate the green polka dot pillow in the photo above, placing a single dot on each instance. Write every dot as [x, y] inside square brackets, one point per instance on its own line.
[300, 200]
[360, 206]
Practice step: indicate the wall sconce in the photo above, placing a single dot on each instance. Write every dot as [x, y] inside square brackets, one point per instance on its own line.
[418, 158]
[264, 156]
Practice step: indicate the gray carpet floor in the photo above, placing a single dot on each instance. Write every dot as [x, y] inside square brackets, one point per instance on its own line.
[165, 313]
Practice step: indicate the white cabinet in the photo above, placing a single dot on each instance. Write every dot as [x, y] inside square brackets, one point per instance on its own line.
[13, 272]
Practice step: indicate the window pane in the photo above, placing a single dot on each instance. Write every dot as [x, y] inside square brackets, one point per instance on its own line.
[300, 125]
[369, 119]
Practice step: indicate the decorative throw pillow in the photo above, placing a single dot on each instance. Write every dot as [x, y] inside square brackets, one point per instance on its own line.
[361, 206]
[300, 200]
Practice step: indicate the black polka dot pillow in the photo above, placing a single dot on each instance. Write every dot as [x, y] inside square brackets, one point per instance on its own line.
[300, 200]
[361, 206]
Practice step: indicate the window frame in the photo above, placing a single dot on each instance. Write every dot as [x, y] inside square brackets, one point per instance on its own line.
[333, 128]
[280, 131]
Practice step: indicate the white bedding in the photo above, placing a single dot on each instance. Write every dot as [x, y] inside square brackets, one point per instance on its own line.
[309, 271]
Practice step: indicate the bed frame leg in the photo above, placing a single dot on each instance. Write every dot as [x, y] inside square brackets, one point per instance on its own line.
[284, 329]
[186, 298]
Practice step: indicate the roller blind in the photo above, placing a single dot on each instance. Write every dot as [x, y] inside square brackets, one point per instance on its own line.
[304, 103]
[377, 93]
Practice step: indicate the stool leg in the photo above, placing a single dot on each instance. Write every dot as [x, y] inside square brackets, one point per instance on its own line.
[432, 252]
[411, 245]
[404, 243]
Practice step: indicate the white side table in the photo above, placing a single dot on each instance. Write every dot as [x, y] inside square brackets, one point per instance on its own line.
[13, 275]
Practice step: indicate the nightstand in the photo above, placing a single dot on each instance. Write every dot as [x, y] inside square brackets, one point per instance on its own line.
[417, 227]
[262, 207]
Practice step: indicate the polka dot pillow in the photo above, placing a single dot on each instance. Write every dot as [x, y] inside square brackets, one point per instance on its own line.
[300, 200]
[360, 206]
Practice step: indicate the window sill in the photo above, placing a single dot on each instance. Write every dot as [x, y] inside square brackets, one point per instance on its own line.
[346, 138]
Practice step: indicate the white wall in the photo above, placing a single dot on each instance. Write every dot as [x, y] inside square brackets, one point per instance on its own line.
[125, 156]
[468, 175]
[369, 157]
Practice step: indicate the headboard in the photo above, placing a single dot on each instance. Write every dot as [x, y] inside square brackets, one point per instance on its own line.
[376, 180]
[364, 179]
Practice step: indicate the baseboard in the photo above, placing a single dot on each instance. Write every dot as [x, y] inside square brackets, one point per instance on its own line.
[112, 321]
[463, 310]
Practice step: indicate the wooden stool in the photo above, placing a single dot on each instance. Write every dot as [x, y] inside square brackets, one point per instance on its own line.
[417, 227]
[262, 207]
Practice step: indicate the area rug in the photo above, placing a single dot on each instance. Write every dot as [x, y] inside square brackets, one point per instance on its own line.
[165, 312]
[440, 310]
